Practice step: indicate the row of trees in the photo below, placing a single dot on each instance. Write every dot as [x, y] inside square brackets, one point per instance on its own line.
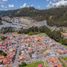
[3, 53]
[0, 21]
[7, 29]
[56, 35]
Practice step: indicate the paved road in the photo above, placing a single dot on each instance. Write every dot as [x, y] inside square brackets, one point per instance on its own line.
[16, 63]
[64, 55]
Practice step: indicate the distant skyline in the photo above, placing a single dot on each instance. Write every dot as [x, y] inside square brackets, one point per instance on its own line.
[39, 4]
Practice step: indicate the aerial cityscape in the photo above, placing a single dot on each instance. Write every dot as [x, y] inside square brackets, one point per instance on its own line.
[33, 33]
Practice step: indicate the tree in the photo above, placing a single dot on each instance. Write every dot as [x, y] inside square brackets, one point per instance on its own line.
[23, 64]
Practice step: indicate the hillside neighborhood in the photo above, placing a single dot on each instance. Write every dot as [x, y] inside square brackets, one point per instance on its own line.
[30, 48]
[16, 49]
[33, 33]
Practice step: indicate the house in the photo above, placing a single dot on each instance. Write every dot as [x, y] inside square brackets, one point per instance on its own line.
[40, 65]
[55, 62]
[64, 35]
[1, 58]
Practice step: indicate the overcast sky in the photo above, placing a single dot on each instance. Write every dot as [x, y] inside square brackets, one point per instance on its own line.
[40, 4]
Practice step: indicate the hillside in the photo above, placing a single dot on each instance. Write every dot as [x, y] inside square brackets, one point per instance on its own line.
[54, 16]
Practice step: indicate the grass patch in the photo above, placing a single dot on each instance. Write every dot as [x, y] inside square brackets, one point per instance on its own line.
[37, 33]
[42, 34]
[62, 61]
[33, 33]
[65, 58]
[34, 64]
[46, 64]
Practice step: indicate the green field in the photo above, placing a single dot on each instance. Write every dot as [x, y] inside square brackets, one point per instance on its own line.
[63, 62]
[42, 34]
[65, 58]
[34, 64]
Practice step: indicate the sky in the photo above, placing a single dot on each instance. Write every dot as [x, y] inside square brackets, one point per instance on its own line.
[39, 4]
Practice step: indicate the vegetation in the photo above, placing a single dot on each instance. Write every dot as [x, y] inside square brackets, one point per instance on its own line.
[3, 53]
[56, 35]
[7, 29]
[2, 37]
[23, 64]
[0, 21]
[34, 64]
[46, 63]
[63, 63]
[54, 16]
[63, 41]
[65, 58]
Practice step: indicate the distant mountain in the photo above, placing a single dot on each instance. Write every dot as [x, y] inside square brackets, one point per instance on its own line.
[17, 12]
[54, 16]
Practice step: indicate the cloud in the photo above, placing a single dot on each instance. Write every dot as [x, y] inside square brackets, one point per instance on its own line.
[60, 3]
[2, 6]
[26, 5]
[49, 4]
[11, 5]
[4, 0]
[57, 3]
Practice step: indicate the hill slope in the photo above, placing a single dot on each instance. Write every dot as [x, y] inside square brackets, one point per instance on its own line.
[54, 16]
